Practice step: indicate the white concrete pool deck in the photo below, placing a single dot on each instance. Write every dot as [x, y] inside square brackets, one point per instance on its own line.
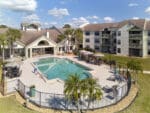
[29, 78]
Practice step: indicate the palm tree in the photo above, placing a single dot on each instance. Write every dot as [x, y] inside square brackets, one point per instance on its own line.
[92, 90]
[72, 89]
[75, 89]
[3, 43]
[13, 35]
[74, 36]
[78, 37]
[134, 67]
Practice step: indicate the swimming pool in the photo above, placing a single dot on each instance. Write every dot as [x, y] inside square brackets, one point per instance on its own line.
[61, 68]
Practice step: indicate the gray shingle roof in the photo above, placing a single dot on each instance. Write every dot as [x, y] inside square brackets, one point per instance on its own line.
[98, 27]
[30, 36]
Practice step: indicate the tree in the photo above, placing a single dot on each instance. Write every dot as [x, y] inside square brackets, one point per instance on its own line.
[92, 90]
[3, 43]
[67, 26]
[72, 89]
[75, 89]
[78, 37]
[135, 67]
[3, 26]
[13, 35]
[74, 36]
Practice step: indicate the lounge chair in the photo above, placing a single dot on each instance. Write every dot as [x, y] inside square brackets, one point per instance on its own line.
[107, 89]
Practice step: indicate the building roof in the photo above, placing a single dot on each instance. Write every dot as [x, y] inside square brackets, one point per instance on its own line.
[30, 36]
[99, 27]
[147, 25]
[139, 23]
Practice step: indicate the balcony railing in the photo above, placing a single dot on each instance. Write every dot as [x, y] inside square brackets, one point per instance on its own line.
[105, 44]
[136, 36]
[105, 36]
[138, 46]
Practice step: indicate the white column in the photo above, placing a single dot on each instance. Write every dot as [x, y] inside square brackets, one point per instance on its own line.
[55, 50]
[26, 52]
[30, 52]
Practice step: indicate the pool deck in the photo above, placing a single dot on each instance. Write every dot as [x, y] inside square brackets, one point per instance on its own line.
[100, 72]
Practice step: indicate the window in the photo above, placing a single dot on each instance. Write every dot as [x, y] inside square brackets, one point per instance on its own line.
[97, 33]
[43, 43]
[87, 33]
[114, 33]
[118, 42]
[96, 47]
[115, 41]
[148, 52]
[149, 42]
[97, 40]
[87, 46]
[148, 33]
[118, 50]
[87, 40]
[119, 33]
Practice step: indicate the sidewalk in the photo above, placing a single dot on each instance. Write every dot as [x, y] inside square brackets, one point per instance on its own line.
[146, 72]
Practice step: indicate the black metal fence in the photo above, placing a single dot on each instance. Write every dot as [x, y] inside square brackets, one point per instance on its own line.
[58, 101]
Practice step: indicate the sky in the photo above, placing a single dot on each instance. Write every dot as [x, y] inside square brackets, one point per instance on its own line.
[74, 12]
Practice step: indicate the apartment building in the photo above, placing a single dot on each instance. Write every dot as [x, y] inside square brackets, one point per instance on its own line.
[127, 38]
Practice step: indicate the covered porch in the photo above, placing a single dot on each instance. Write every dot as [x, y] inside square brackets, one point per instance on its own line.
[38, 51]
[40, 47]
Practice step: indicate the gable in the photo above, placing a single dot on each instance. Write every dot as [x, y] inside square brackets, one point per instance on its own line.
[36, 43]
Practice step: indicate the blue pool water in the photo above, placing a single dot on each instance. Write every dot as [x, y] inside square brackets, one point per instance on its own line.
[53, 68]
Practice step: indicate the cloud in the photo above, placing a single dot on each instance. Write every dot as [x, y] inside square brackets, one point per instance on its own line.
[31, 18]
[108, 19]
[135, 18]
[58, 12]
[79, 21]
[0, 14]
[147, 10]
[48, 24]
[19, 5]
[147, 19]
[133, 4]
[93, 17]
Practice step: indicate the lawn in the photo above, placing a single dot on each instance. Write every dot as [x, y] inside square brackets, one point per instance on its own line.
[123, 60]
[142, 102]
[10, 105]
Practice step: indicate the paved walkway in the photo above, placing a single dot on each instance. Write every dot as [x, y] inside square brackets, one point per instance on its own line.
[146, 72]
[29, 78]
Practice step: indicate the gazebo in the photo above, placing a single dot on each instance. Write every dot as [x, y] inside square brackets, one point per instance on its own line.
[90, 56]
[85, 55]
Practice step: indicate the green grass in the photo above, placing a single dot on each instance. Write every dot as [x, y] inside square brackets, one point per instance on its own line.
[142, 102]
[123, 60]
[10, 105]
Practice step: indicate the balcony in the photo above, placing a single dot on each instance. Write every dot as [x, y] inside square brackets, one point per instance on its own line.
[105, 44]
[106, 36]
[135, 46]
[135, 36]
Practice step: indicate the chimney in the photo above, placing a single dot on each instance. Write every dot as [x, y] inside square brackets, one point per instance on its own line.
[47, 34]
